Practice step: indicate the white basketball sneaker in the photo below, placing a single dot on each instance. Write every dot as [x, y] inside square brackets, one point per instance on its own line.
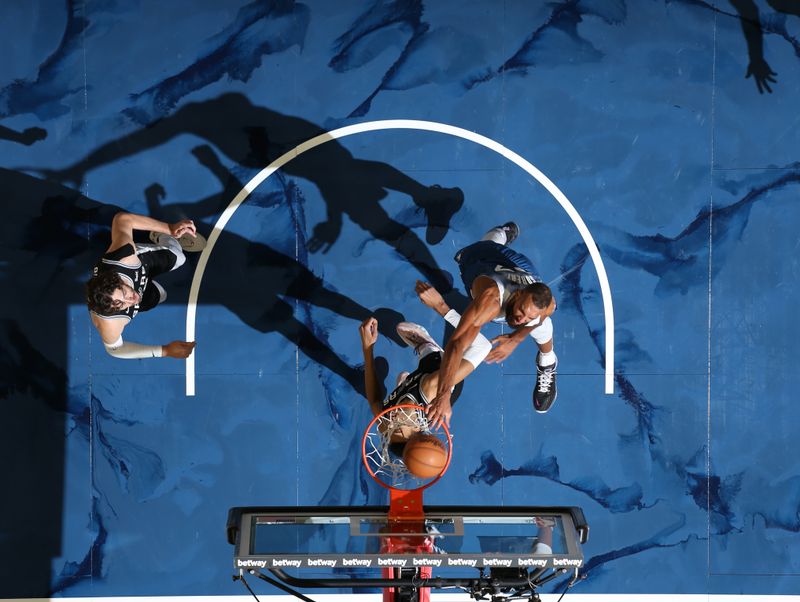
[189, 243]
[192, 244]
[417, 337]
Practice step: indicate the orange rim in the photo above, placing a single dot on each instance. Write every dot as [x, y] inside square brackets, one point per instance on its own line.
[374, 421]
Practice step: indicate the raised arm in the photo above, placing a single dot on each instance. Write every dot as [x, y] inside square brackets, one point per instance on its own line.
[472, 356]
[123, 225]
[484, 307]
[751, 28]
[505, 344]
[369, 335]
[111, 333]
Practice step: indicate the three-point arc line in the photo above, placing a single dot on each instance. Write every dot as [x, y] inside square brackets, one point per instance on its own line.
[404, 124]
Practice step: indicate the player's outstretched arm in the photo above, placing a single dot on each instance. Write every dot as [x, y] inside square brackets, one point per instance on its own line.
[126, 350]
[178, 349]
[472, 356]
[505, 344]
[111, 334]
[123, 225]
[480, 311]
[444, 410]
[369, 335]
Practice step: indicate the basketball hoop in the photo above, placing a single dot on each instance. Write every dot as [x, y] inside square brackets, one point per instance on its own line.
[398, 425]
[515, 549]
[392, 426]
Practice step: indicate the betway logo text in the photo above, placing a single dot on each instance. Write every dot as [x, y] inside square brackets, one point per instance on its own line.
[540, 562]
[427, 561]
[356, 562]
[286, 562]
[462, 562]
[242, 564]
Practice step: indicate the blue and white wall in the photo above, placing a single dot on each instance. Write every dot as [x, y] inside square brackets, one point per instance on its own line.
[684, 170]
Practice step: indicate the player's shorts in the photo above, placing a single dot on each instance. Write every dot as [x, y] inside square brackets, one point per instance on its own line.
[485, 257]
[157, 259]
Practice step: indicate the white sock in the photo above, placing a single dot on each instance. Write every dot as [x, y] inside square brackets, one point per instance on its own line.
[497, 235]
[547, 359]
[480, 347]
[452, 317]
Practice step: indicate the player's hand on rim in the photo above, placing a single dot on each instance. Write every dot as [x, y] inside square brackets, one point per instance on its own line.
[439, 411]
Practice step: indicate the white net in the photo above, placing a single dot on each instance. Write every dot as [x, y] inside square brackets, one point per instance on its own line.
[383, 441]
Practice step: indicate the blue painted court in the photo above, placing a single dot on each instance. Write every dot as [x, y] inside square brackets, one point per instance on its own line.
[660, 206]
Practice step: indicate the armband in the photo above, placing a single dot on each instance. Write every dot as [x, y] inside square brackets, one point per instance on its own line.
[479, 348]
[132, 351]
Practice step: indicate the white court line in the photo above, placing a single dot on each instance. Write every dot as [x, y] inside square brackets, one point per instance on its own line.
[404, 124]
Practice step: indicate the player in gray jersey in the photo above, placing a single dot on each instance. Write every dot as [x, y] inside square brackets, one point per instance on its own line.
[504, 287]
[122, 282]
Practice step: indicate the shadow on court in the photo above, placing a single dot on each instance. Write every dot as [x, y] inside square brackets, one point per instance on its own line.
[45, 262]
[53, 235]
[251, 278]
[39, 267]
[254, 136]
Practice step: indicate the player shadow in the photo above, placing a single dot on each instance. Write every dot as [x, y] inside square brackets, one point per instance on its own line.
[251, 279]
[753, 30]
[38, 277]
[27, 137]
[52, 237]
[253, 136]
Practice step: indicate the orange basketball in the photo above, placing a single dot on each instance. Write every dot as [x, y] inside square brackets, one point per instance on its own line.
[425, 455]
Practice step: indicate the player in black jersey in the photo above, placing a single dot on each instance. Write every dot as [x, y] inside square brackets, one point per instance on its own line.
[123, 284]
[418, 387]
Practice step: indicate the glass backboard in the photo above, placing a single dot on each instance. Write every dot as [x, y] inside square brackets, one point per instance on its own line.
[447, 537]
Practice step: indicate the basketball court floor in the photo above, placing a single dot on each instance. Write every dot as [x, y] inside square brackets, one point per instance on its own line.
[335, 153]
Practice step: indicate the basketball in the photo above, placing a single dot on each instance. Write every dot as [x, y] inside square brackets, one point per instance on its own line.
[425, 456]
